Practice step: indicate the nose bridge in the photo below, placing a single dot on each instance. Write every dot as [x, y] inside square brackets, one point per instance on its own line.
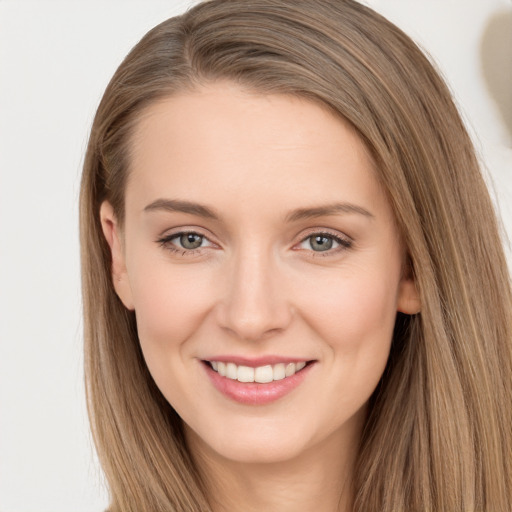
[256, 303]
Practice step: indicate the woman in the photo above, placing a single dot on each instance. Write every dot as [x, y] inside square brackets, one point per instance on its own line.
[294, 290]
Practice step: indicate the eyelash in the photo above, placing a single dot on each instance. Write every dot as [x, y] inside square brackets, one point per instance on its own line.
[344, 243]
[166, 241]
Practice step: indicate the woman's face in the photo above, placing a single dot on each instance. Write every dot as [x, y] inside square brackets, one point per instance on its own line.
[256, 239]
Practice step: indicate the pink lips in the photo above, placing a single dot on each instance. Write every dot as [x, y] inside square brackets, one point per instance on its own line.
[254, 393]
[255, 361]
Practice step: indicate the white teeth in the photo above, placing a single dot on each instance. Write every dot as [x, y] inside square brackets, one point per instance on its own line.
[245, 374]
[261, 374]
[290, 369]
[279, 371]
[264, 374]
[231, 371]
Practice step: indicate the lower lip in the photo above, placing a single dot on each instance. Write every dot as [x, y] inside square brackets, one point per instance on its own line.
[254, 393]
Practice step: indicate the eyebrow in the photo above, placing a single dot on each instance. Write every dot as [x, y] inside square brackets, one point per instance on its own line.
[200, 210]
[323, 211]
[176, 205]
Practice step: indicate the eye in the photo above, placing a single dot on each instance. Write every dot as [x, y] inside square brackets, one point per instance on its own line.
[325, 243]
[186, 242]
[190, 240]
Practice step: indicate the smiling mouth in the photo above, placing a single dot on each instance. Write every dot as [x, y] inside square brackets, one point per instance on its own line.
[260, 374]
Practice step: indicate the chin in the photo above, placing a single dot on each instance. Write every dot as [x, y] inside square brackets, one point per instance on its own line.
[252, 446]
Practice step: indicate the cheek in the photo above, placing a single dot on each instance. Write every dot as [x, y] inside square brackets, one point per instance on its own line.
[355, 306]
[170, 303]
[354, 322]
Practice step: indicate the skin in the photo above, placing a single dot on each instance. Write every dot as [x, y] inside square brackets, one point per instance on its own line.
[258, 286]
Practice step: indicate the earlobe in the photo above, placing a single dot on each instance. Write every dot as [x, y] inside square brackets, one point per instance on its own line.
[112, 234]
[408, 297]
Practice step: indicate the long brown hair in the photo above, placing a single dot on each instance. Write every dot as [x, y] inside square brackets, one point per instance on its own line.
[438, 435]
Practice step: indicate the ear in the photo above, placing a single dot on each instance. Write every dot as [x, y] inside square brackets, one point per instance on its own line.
[111, 231]
[408, 297]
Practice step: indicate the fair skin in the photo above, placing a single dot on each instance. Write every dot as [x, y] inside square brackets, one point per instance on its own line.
[260, 276]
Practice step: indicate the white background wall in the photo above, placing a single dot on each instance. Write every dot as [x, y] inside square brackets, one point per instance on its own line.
[56, 58]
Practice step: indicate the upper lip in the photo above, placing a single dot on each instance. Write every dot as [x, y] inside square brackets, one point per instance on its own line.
[254, 362]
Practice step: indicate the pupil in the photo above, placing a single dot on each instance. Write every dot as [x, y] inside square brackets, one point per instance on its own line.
[191, 241]
[321, 243]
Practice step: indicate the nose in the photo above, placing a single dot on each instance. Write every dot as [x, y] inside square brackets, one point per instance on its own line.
[255, 304]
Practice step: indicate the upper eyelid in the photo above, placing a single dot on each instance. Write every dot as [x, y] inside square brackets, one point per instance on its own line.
[171, 234]
[325, 231]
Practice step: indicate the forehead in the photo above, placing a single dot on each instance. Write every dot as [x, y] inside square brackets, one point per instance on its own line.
[223, 143]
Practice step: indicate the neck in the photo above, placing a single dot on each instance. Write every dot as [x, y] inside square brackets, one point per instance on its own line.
[317, 479]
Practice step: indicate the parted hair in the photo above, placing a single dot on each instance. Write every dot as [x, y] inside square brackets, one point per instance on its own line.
[438, 433]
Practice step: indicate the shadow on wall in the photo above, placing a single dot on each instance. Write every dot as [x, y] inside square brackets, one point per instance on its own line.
[496, 62]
